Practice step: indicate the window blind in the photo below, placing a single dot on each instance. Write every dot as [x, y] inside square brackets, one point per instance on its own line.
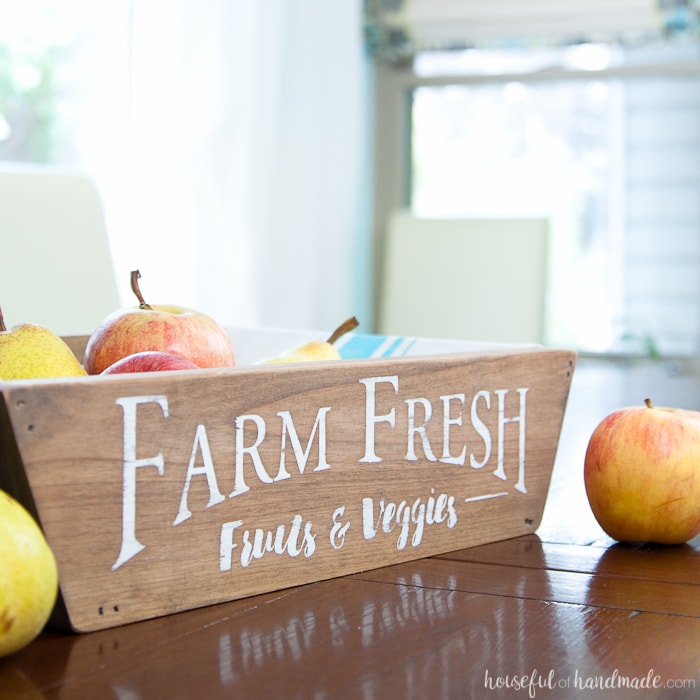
[490, 20]
[405, 27]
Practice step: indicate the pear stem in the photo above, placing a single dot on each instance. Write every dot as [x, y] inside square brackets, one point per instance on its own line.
[649, 403]
[342, 329]
[3, 327]
[135, 275]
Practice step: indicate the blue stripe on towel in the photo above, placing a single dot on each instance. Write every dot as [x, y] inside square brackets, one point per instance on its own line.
[358, 345]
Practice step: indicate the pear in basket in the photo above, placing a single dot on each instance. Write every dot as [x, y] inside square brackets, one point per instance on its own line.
[34, 352]
[315, 350]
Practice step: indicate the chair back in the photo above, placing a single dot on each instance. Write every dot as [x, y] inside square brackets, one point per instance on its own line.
[56, 265]
[465, 279]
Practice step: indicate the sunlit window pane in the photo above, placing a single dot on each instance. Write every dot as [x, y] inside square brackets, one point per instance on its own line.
[611, 161]
[64, 76]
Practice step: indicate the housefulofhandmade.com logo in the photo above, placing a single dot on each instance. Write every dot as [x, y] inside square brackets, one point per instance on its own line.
[537, 681]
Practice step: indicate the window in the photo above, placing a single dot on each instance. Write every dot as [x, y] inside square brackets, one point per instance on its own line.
[64, 81]
[605, 142]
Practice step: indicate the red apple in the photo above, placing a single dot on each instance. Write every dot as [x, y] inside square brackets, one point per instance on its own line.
[642, 474]
[149, 361]
[173, 329]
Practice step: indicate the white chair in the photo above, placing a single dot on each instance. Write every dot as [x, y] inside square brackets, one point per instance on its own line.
[55, 260]
[466, 279]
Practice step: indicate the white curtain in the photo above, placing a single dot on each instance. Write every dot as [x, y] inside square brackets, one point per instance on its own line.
[245, 189]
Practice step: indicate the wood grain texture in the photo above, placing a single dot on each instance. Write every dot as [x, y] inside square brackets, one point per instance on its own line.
[564, 606]
[541, 583]
[162, 492]
[351, 638]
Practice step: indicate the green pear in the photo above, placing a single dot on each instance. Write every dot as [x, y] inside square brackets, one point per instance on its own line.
[28, 577]
[315, 350]
[33, 352]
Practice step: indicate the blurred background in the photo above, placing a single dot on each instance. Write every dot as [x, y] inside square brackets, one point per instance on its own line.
[482, 169]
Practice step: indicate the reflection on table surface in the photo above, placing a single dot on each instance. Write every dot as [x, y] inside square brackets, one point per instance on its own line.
[557, 614]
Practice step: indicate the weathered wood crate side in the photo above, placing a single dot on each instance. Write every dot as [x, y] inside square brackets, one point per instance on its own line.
[163, 492]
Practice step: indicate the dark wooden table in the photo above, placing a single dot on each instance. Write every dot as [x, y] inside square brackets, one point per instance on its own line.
[565, 613]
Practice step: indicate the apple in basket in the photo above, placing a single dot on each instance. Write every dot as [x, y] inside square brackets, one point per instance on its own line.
[176, 330]
[149, 361]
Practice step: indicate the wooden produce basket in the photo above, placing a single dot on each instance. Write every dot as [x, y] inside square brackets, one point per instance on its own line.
[165, 491]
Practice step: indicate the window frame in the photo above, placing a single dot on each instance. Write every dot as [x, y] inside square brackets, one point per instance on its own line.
[394, 84]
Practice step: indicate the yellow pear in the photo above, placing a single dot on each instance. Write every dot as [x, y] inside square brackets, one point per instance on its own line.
[315, 350]
[34, 352]
[28, 577]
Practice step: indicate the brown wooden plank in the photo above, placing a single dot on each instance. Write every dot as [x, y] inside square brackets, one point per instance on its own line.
[354, 638]
[598, 590]
[153, 488]
[679, 564]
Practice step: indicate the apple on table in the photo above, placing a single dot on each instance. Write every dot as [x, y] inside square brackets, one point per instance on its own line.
[176, 330]
[642, 474]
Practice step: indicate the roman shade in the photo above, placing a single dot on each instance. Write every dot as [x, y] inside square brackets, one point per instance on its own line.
[399, 28]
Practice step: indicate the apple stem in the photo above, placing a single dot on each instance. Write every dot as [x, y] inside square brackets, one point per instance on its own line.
[3, 327]
[135, 275]
[342, 329]
[649, 403]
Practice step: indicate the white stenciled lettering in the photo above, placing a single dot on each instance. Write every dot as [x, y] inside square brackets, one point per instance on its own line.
[201, 444]
[130, 546]
[371, 417]
[240, 485]
[447, 421]
[419, 430]
[226, 544]
[293, 540]
[339, 528]
[411, 519]
[481, 429]
[459, 424]
[500, 471]
[288, 435]
[302, 456]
